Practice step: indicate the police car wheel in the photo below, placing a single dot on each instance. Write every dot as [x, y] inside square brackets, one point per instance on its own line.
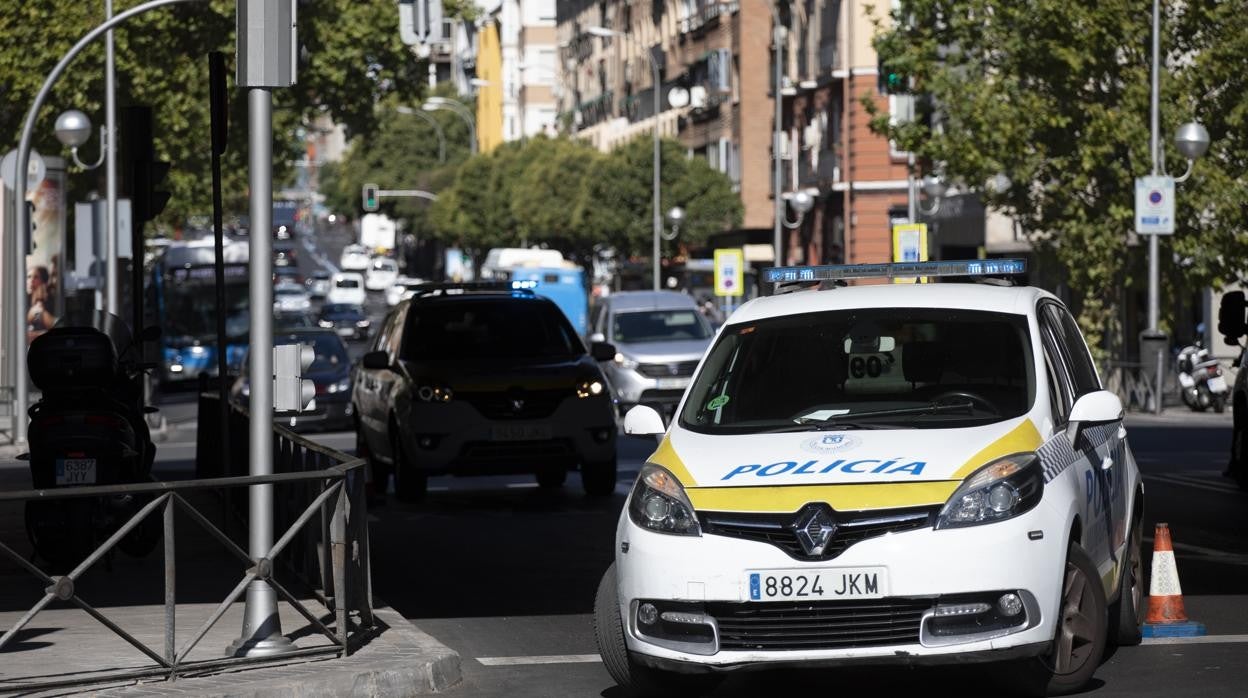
[598, 479]
[1239, 461]
[1124, 614]
[1079, 641]
[635, 679]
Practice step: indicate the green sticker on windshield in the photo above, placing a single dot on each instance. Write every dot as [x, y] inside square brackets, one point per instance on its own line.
[717, 402]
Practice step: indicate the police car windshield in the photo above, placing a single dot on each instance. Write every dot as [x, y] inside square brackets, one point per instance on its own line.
[814, 369]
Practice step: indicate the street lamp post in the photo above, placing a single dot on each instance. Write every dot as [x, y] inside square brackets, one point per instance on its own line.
[437, 128]
[657, 217]
[438, 103]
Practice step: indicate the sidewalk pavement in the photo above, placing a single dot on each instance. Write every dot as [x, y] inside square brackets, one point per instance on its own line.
[63, 642]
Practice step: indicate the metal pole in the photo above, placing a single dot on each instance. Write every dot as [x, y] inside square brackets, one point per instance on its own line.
[777, 137]
[111, 285]
[656, 194]
[262, 626]
[1154, 247]
[21, 221]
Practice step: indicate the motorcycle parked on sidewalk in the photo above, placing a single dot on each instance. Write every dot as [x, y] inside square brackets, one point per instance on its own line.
[88, 428]
[1200, 379]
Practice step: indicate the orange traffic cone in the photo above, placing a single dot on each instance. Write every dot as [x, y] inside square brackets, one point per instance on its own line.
[1166, 615]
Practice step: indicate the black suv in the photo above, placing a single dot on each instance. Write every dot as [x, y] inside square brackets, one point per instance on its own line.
[481, 379]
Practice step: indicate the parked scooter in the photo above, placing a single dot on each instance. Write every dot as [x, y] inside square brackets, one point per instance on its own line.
[89, 428]
[1200, 379]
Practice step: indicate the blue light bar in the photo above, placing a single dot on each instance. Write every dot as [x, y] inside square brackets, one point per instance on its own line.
[895, 270]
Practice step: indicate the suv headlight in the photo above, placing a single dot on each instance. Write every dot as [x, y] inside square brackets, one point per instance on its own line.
[624, 362]
[1002, 489]
[659, 503]
[590, 387]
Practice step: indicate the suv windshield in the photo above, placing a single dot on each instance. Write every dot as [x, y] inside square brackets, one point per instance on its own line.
[916, 367]
[510, 328]
[659, 326]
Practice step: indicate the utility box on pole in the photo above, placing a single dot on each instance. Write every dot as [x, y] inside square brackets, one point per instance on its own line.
[267, 47]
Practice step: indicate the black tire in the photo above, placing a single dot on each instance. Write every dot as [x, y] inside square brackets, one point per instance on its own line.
[635, 679]
[552, 477]
[1219, 404]
[61, 532]
[598, 479]
[1071, 660]
[410, 485]
[1124, 614]
[379, 472]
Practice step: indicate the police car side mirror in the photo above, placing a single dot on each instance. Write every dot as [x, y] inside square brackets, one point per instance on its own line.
[643, 420]
[1100, 407]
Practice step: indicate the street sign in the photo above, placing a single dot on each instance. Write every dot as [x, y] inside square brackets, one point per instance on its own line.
[910, 245]
[420, 22]
[1154, 205]
[729, 272]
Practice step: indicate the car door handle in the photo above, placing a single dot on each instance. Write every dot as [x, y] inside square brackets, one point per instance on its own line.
[1107, 463]
[1122, 432]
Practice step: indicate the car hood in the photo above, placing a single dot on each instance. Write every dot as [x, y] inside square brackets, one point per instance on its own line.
[479, 376]
[659, 352]
[851, 470]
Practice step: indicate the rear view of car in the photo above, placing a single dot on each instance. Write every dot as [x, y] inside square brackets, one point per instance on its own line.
[347, 288]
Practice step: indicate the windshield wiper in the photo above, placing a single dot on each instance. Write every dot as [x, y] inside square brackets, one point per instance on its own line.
[855, 420]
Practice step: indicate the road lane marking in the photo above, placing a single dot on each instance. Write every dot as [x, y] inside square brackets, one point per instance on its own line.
[540, 659]
[1202, 640]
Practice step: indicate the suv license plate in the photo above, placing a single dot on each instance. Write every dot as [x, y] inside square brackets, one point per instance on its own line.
[75, 471]
[679, 383]
[844, 583]
[520, 432]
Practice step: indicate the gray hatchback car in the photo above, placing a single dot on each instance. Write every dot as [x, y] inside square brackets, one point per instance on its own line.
[659, 336]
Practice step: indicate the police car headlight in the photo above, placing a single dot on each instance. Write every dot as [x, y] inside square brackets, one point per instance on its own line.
[589, 388]
[659, 503]
[1000, 490]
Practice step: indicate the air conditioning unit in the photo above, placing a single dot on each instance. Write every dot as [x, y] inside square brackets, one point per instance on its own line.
[697, 97]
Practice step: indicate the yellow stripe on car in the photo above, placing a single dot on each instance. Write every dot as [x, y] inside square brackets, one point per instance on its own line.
[855, 497]
[1024, 437]
[666, 457]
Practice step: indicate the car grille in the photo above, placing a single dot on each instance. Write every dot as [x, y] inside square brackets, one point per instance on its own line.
[815, 625]
[779, 529]
[533, 404]
[661, 396]
[514, 451]
[678, 368]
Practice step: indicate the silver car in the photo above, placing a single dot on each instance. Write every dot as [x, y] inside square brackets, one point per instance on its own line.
[660, 336]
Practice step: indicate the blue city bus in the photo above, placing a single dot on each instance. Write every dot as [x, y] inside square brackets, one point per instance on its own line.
[563, 285]
[182, 297]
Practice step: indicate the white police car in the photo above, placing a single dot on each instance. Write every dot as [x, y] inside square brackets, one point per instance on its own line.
[909, 474]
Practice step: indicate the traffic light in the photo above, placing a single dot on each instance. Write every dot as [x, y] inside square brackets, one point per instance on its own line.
[371, 197]
[144, 173]
[291, 391]
[890, 80]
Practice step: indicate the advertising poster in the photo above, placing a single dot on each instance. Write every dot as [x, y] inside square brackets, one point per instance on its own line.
[44, 291]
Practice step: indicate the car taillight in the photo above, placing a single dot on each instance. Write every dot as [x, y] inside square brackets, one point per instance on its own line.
[1215, 370]
[49, 421]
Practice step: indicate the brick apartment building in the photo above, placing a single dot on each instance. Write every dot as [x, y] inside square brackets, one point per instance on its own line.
[716, 99]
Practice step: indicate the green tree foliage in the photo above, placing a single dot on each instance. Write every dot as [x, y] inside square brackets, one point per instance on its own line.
[565, 194]
[1055, 95]
[352, 59]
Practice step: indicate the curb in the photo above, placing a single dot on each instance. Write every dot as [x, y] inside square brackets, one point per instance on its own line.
[401, 661]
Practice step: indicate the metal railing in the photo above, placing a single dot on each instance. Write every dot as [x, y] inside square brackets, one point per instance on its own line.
[1136, 384]
[331, 559]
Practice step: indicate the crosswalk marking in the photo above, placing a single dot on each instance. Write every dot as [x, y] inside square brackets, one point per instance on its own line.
[540, 659]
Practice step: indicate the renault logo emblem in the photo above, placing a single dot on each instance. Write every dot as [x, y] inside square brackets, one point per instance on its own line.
[517, 404]
[814, 528]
